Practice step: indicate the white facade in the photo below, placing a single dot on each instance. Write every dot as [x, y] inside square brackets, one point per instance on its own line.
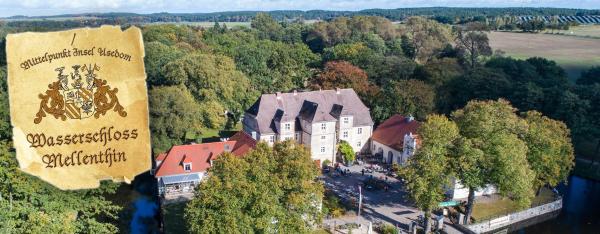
[459, 191]
[316, 119]
[391, 155]
[388, 154]
[322, 137]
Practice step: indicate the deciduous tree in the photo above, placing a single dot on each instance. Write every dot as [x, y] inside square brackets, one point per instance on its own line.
[342, 74]
[550, 153]
[426, 173]
[426, 37]
[269, 190]
[492, 151]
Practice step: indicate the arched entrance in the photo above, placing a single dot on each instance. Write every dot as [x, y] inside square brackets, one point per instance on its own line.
[390, 157]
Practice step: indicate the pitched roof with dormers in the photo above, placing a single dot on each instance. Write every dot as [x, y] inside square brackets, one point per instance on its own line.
[311, 106]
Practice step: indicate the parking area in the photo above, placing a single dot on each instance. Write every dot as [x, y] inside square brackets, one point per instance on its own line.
[384, 199]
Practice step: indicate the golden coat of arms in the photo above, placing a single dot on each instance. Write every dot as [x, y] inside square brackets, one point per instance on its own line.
[75, 97]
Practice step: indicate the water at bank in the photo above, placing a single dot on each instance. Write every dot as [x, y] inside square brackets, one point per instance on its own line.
[580, 213]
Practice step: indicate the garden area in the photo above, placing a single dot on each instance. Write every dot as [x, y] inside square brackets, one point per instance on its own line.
[489, 207]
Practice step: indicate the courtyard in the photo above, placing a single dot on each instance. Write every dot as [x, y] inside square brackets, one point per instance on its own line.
[391, 206]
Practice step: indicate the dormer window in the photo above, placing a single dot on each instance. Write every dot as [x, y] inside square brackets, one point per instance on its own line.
[227, 148]
[187, 167]
[287, 126]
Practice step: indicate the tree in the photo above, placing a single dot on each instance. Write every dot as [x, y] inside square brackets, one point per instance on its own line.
[426, 173]
[342, 74]
[550, 153]
[426, 37]
[589, 77]
[267, 27]
[30, 205]
[473, 43]
[412, 97]
[347, 152]
[271, 66]
[173, 114]
[5, 129]
[269, 190]
[492, 151]
[157, 55]
[211, 78]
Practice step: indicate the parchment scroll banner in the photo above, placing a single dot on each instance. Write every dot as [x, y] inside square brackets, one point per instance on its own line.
[79, 105]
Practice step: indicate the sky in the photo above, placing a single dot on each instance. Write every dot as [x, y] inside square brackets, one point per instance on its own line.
[45, 7]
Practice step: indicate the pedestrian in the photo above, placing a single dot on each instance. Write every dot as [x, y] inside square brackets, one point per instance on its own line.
[362, 171]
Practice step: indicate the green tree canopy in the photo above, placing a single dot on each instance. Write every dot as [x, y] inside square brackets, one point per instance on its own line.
[426, 173]
[30, 205]
[550, 153]
[211, 78]
[268, 190]
[490, 132]
[426, 37]
[267, 27]
[346, 151]
[173, 114]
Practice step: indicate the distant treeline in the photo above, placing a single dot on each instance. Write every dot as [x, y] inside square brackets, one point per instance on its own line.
[448, 14]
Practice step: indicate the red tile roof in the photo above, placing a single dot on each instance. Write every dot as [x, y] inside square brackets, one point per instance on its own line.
[201, 154]
[391, 132]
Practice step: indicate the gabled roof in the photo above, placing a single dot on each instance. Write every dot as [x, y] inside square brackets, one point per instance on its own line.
[312, 106]
[200, 155]
[391, 132]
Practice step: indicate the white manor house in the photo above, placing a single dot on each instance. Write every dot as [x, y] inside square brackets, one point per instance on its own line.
[317, 119]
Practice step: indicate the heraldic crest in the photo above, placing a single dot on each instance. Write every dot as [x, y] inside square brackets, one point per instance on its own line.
[71, 97]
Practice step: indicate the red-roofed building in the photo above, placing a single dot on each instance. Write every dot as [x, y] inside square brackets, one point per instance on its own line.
[395, 139]
[181, 169]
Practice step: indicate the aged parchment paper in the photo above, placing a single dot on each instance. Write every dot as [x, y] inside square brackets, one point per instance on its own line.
[79, 105]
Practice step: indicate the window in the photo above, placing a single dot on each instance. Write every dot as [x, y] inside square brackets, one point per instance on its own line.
[323, 126]
[322, 149]
[271, 139]
[323, 138]
[359, 131]
[288, 138]
[358, 144]
[346, 120]
[287, 126]
[345, 134]
[187, 166]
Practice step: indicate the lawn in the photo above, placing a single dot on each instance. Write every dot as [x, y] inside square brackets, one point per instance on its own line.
[580, 31]
[574, 54]
[503, 206]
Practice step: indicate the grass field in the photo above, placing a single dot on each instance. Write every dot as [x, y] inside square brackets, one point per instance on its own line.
[502, 206]
[574, 54]
[580, 31]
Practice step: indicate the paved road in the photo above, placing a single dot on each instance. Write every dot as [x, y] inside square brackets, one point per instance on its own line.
[392, 207]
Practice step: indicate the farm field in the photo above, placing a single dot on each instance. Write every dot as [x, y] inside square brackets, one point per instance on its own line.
[574, 54]
[581, 31]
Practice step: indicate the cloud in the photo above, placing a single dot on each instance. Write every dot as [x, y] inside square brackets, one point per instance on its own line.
[44, 7]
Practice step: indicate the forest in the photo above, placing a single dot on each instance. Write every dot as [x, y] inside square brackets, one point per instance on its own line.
[201, 80]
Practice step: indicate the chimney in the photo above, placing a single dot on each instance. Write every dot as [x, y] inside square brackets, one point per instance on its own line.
[337, 90]
[278, 95]
[254, 135]
[295, 92]
[410, 118]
